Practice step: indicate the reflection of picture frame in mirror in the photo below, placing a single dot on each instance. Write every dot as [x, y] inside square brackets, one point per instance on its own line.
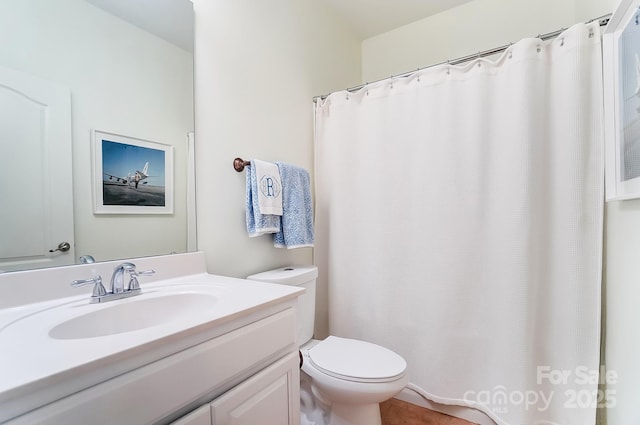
[621, 56]
[131, 175]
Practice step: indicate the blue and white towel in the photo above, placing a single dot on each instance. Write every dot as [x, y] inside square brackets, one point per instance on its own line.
[257, 223]
[296, 229]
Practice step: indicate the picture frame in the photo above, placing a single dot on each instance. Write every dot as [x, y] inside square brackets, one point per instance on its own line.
[131, 175]
[621, 69]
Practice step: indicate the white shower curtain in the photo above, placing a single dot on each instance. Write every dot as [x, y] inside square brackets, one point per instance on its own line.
[459, 222]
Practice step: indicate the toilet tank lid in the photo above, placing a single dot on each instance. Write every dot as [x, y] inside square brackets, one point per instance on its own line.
[291, 275]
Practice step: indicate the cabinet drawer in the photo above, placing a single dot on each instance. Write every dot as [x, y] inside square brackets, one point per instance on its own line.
[201, 416]
[271, 397]
[153, 392]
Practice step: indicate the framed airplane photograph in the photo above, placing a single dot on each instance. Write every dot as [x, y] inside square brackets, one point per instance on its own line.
[131, 175]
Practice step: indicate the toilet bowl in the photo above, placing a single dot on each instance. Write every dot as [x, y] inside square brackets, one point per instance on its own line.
[353, 377]
[349, 378]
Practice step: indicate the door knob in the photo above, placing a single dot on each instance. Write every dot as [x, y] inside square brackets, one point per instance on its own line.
[62, 246]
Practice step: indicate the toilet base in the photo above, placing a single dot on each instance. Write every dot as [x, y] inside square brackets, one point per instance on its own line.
[349, 414]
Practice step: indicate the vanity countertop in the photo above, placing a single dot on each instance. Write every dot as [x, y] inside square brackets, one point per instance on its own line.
[41, 361]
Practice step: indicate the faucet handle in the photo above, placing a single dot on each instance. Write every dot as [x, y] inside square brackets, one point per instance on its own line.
[133, 278]
[98, 289]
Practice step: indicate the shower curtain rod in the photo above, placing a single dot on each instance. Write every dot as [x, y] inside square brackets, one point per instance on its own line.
[602, 20]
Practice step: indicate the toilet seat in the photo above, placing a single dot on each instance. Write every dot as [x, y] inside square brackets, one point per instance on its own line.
[357, 361]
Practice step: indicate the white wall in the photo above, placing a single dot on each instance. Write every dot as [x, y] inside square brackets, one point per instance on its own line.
[122, 80]
[258, 66]
[470, 28]
[622, 261]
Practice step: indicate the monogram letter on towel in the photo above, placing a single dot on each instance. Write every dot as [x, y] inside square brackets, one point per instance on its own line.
[269, 187]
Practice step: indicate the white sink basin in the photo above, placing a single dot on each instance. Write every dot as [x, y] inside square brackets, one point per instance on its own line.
[133, 314]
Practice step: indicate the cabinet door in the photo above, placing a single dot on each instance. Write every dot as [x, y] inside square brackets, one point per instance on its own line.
[200, 416]
[271, 397]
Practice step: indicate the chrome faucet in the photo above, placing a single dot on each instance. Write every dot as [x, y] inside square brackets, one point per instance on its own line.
[117, 279]
[87, 259]
[117, 289]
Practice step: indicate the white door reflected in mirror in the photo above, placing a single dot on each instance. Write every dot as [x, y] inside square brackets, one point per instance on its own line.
[36, 221]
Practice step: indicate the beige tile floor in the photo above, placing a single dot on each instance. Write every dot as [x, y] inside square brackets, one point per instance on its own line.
[397, 412]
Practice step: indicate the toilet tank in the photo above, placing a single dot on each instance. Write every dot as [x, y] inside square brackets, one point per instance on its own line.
[304, 276]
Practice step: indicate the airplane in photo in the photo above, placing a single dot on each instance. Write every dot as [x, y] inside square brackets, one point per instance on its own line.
[135, 178]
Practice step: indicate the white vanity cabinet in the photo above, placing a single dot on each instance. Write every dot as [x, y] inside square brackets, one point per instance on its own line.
[200, 416]
[269, 398]
[248, 375]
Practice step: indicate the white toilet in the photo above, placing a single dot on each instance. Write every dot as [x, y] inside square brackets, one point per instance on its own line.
[349, 377]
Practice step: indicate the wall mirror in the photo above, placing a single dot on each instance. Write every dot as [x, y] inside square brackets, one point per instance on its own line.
[621, 59]
[124, 67]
